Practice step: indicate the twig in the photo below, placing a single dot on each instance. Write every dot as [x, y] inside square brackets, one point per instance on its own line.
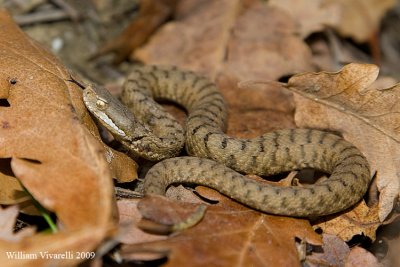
[42, 16]
[73, 13]
[22, 6]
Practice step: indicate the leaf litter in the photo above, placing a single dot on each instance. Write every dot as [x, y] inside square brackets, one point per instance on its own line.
[230, 53]
[239, 236]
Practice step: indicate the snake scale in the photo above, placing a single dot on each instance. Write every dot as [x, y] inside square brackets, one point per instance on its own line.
[154, 134]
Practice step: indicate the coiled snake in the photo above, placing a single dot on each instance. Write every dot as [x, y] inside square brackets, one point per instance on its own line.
[154, 134]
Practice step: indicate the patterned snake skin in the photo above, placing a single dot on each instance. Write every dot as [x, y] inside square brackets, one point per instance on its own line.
[154, 134]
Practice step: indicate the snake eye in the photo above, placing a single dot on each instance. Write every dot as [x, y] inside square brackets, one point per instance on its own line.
[101, 104]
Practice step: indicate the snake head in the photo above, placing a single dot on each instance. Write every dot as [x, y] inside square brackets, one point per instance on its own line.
[125, 128]
[112, 114]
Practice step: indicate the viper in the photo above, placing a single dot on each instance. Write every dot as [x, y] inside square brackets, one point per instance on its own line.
[217, 160]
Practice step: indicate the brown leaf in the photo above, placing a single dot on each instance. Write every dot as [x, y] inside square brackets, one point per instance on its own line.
[152, 14]
[228, 235]
[360, 220]
[129, 216]
[361, 257]
[188, 41]
[264, 45]
[52, 153]
[123, 168]
[360, 18]
[11, 191]
[311, 16]
[253, 112]
[250, 41]
[335, 252]
[392, 257]
[368, 118]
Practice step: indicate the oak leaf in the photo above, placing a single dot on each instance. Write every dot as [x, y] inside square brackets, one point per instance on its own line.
[360, 220]
[344, 102]
[358, 19]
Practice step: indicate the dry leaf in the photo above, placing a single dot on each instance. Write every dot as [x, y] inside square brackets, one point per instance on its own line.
[392, 257]
[11, 191]
[366, 117]
[52, 153]
[264, 45]
[334, 253]
[249, 41]
[152, 14]
[228, 235]
[193, 39]
[311, 16]
[360, 18]
[129, 216]
[123, 168]
[360, 220]
[253, 112]
[361, 257]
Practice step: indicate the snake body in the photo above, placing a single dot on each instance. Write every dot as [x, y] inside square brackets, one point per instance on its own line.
[154, 134]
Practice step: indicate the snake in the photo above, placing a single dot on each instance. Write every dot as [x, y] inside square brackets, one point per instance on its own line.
[217, 160]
